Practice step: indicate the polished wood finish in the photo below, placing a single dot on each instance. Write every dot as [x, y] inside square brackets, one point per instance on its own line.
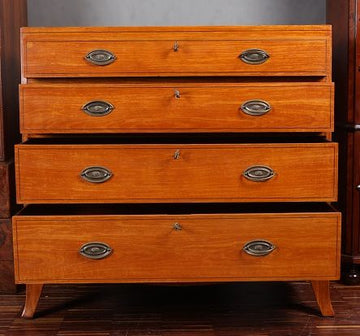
[246, 309]
[201, 107]
[33, 292]
[202, 173]
[156, 84]
[13, 15]
[6, 252]
[148, 248]
[345, 16]
[7, 281]
[202, 51]
[322, 294]
[7, 188]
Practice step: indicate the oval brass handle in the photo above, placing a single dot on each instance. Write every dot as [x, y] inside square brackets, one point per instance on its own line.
[96, 174]
[256, 107]
[258, 173]
[97, 108]
[95, 250]
[100, 57]
[254, 56]
[259, 248]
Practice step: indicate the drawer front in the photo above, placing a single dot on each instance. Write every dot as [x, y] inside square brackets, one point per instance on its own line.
[177, 248]
[176, 57]
[176, 173]
[101, 108]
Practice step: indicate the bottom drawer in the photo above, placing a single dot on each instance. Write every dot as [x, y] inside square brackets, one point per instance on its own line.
[176, 247]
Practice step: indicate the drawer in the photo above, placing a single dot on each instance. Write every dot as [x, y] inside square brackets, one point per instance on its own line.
[245, 51]
[77, 173]
[173, 248]
[176, 107]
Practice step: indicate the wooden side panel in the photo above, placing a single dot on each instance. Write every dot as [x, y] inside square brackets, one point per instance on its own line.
[13, 15]
[176, 173]
[7, 281]
[155, 108]
[149, 249]
[7, 189]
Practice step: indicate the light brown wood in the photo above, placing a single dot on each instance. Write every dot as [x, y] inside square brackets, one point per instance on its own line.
[202, 173]
[147, 248]
[33, 292]
[153, 107]
[322, 293]
[202, 51]
[164, 168]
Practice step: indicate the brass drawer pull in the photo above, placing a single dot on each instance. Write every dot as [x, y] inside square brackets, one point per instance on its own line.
[97, 108]
[100, 57]
[254, 56]
[95, 250]
[96, 174]
[256, 107]
[259, 248]
[258, 173]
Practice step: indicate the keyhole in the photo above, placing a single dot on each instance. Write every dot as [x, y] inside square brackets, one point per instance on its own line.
[177, 227]
[177, 154]
[176, 46]
[177, 94]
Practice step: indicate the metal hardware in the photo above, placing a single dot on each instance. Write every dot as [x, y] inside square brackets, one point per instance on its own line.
[254, 56]
[350, 127]
[177, 94]
[95, 250]
[176, 154]
[176, 46]
[258, 173]
[358, 187]
[96, 174]
[259, 248]
[97, 108]
[177, 227]
[256, 107]
[100, 57]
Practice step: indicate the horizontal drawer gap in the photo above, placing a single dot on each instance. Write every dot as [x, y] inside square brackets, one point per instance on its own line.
[183, 208]
[180, 138]
[190, 80]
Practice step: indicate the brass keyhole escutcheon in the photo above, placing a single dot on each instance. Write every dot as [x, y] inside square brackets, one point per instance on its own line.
[177, 94]
[176, 46]
[177, 227]
[177, 154]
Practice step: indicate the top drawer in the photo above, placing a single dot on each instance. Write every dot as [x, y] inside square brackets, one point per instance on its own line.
[176, 51]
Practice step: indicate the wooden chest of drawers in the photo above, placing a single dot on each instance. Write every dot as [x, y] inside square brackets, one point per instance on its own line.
[148, 142]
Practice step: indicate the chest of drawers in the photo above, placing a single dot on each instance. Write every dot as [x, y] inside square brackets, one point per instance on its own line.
[176, 154]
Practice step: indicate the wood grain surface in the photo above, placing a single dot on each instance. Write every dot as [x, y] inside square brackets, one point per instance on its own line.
[201, 173]
[202, 51]
[13, 15]
[148, 248]
[246, 309]
[153, 107]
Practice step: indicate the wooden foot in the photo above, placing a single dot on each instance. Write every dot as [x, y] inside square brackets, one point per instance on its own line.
[33, 293]
[322, 294]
